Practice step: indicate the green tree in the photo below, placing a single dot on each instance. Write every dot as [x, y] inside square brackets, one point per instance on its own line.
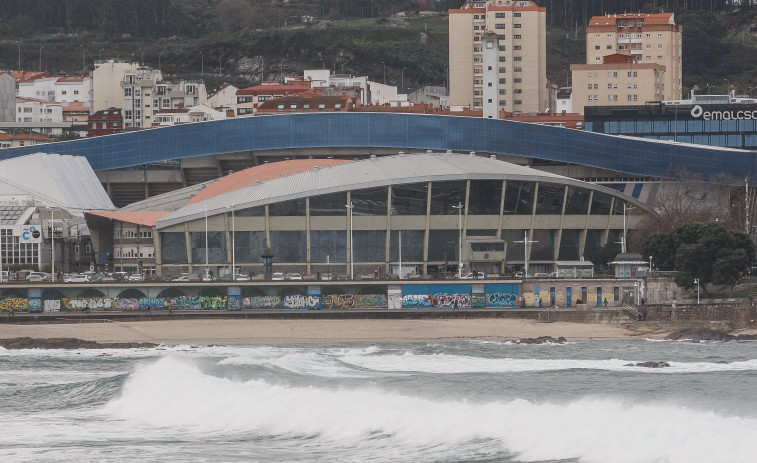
[707, 251]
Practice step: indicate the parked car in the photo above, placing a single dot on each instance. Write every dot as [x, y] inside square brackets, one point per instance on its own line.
[541, 275]
[471, 276]
[326, 276]
[343, 276]
[277, 276]
[519, 275]
[38, 276]
[136, 277]
[76, 278]
[293, 276]
[240, 277]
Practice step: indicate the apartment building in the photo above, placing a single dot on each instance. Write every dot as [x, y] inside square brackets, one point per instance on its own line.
[618, 81]
[145, 94]
[646, 38]
[107, 81]
[248, 99]
[504, 40]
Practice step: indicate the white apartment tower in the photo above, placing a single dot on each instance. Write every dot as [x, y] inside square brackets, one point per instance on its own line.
[647, 38]
[517, 30]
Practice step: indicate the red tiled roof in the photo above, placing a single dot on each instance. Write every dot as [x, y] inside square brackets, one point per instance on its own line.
[648, 19]
[146, 218]
[23, 136]
[271, 89]
[262, 173]
[27, 99]
[70, 79]
[225, 85]
[27, 75]
[76, 106]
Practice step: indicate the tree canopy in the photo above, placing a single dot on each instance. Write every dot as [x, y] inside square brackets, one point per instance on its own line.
[707, 251]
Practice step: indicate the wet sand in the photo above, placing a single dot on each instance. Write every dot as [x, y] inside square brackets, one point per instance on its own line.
[272, 331]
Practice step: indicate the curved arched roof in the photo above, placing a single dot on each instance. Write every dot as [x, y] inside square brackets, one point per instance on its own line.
[635, 156]
[369, 173]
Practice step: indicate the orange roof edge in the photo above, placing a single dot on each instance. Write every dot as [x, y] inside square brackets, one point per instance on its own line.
[146, 218]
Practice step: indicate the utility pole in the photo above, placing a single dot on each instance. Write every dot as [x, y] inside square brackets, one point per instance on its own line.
[526, 243]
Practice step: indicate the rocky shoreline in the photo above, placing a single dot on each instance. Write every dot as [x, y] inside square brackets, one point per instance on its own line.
[69, 343]
[707, 334]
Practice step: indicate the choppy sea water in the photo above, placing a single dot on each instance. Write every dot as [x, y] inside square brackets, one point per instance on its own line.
[469, 401]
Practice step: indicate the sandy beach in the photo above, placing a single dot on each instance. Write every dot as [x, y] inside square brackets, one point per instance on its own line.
[273, 331]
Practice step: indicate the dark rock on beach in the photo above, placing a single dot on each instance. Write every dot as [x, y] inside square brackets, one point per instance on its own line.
[648, 364]
[543, 340]
[68, 343]
[708, 334]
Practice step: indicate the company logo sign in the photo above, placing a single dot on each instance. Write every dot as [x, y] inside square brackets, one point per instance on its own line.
[697, 112]
[30, 234]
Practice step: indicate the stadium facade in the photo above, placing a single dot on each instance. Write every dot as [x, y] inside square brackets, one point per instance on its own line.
[299, 209]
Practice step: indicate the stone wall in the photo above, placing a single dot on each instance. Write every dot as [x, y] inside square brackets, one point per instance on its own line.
[741, 313]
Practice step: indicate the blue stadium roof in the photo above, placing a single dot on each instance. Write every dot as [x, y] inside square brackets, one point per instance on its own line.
[635, 156]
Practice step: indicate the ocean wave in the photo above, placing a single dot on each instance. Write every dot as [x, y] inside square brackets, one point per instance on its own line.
[173, 393]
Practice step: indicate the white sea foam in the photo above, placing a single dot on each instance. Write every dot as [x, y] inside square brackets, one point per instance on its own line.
[305, 363]
[450, 364]
[172, 393]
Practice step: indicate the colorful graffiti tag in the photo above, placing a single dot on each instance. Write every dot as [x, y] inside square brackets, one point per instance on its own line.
[354, 301]
[298, 301]
[261, 302]
[15, 303]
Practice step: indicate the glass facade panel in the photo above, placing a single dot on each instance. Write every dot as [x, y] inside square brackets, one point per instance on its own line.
[331, 243]
[519, 198]
[514, 250]
[174, 248]
[485, 197]
[372, 201]
[544, 249]
[442, 245]
[550, 198]
[409, 199]
[412, 245]
[293, 208]
[712, 126]
[370, 245]
[729, 126]
[569, 245]
[248, 245]
[257, 211]
[216, 247]
[600, 204]
[694, 125]
[612, 127]
[444, 195]
[678, 126]
[627, 127]
[617, 206]
[593, 242]
[334, 204]
[288, 246]
[661, 127]
[578, 201]
[644, 126]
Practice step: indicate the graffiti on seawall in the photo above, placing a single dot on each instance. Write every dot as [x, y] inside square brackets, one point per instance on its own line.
[298, 301]
[354, 301]
[447, 300]
[15, 303]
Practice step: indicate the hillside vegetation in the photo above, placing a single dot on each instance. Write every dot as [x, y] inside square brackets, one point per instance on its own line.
[244, 41]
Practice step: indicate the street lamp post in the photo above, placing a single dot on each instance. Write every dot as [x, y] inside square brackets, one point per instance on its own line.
[233, 245]
[402, 77]
[650, 265]
[18, 42]
[159, 55]
[382, 63]
[207, 268]
[696, 280]
[459, 208]
[526, 242]
[623, 245]
[202, 64]
[83, 59]
[399, 232]
[352, 247]
[40, 57]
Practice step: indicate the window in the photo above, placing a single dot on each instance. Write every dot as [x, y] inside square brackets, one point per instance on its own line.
[659, 35]
[127, 114]
[517, 102]
[475, 28]
[516, 15]
[502, 91]
[589, 75]
[502, 80]
[609, 47]
[596, 86]
[517, 80]
[502, 70]
[516, 37]
[517, 47]
[501, 37]
[589, 86]
[596, 36]
[649, 46]
[635, 74]
[502, 48]
[517, 69]
[609, 36]
[76, 92]
[502, 59]
[499, 15]
[127, 91]
[609, 86]
[280, 108]
[649, 35]
[518, 90]
[499, 26]
[597, 47]
[516, 26]
[659, 45]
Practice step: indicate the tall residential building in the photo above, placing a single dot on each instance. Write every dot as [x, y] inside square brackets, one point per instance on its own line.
[509, 76]
[106, 83]
[647, 38]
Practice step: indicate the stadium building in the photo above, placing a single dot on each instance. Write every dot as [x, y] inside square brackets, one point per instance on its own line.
[343, 217]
